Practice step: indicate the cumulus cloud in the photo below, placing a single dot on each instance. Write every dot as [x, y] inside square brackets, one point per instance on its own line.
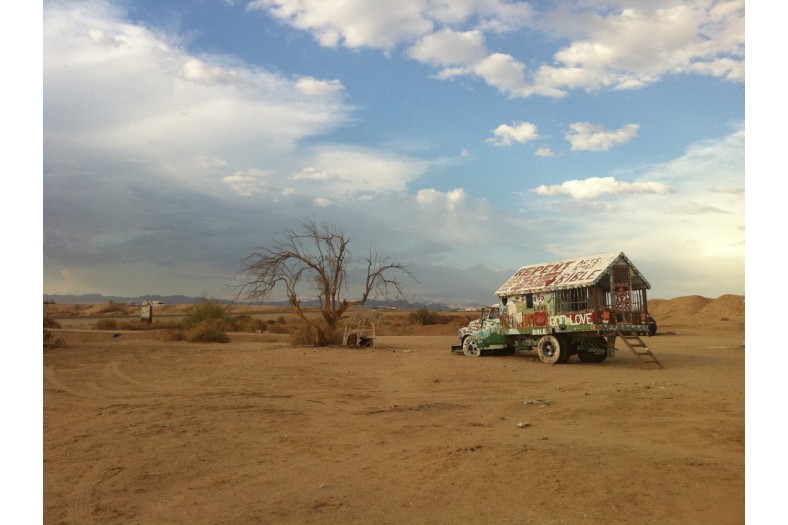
[319, 88]
[346, 172]
[595, 187]
[247, 182]
[520, 132]
[544, 152]
[686, 242]
[353, 23]
[615, 45]
[431, 197]
[130, 92]
[449, 48]
[589, 137]
[635, 44]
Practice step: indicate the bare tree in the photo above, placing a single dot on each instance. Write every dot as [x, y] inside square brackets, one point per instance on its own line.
[317, 255]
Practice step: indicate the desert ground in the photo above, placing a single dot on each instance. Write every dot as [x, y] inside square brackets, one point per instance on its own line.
[139, 428]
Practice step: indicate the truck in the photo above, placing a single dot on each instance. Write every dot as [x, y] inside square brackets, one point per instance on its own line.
[560, 309]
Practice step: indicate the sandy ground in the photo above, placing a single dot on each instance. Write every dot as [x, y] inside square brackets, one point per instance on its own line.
[137, 430]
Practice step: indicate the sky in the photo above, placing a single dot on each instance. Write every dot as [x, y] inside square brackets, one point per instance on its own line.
[464, 138]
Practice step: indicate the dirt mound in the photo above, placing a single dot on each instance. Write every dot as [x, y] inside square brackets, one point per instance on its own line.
[697, 310]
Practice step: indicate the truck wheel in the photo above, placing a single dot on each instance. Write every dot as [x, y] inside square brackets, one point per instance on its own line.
[550, 350]
[587, 356]
[470, 347]
[591, 357]
[566, 350]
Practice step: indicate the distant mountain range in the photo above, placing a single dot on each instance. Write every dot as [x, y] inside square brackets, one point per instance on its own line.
[182, 299]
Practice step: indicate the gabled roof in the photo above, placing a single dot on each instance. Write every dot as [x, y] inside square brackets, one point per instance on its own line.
[571, 273]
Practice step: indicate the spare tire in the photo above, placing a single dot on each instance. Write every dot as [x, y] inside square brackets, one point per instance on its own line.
[652, 326]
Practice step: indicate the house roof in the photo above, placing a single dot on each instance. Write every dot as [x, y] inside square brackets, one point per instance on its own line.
[571, 273]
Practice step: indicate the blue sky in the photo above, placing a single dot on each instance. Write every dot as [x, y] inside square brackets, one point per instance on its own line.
[464, 138]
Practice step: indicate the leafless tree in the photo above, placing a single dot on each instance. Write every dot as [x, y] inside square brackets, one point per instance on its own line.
[317, 257]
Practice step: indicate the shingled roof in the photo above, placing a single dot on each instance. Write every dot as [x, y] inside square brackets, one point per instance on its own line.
[571, 273]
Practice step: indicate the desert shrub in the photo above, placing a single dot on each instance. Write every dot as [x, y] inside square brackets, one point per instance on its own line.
[174, 335]
[106, 324]
[426, 317]
[279, 329]
[50, 341]
[281, 320]
[50, 322]
[207, 310]
[303, 336]
[207, 331]
[244, 323]
[113, 307]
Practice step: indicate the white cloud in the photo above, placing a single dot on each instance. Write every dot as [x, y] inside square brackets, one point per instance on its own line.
[450, 200]
[616, 45]
[589, 137]
[247, 182]
[594, 187]
[205, 161]
[384, 25]
[638, 43]
[345, 172]
[686, 243]
[449, 48]
[544, 152]
[520, 132]
[353, 23]
[128, 92]
[320, 88]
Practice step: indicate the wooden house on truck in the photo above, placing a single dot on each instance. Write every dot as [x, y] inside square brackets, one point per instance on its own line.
[565, 308]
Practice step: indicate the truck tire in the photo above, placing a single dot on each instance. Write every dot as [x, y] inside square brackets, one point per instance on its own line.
[551, 351]
[470, 347]
[592, 357]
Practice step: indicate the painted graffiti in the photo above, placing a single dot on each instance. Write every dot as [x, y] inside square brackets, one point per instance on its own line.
[553, 274]
[572, 319]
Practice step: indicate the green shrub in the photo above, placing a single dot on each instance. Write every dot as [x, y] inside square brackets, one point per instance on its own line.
[207, 331]
[207, 310]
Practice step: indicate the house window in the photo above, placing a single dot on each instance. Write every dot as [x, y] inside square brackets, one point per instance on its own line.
[572, 300]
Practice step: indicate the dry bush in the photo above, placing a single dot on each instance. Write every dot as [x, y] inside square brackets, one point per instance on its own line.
[50, 341]
[279, 329]
[116, 308]
[304, 335]
[207, 331]
[244, 323]
[50, 322]
[106, 324]
[426, 317]
[174, 335]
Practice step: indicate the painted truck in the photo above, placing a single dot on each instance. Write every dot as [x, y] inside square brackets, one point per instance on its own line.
[565, 308]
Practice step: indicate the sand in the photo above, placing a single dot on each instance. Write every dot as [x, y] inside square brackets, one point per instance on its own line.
[141, 430]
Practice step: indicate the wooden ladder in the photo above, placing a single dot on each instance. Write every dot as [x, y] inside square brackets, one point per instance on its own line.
[641, 351]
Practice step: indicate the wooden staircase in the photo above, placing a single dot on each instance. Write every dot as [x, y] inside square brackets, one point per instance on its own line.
[641, 351]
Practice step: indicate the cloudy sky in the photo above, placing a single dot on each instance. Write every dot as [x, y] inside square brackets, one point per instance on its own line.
[465, 138]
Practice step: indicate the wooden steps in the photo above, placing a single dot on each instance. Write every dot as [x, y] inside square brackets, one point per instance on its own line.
[642, 352]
